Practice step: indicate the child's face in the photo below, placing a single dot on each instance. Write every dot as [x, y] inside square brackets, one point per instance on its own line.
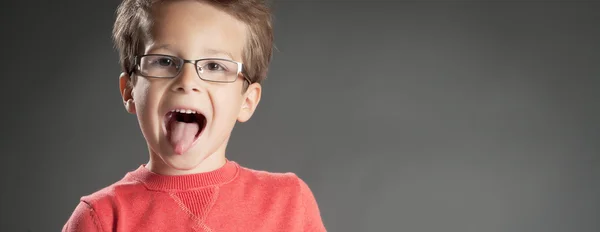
[190, 30]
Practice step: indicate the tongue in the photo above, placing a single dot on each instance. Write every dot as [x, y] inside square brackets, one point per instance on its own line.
[182, 135]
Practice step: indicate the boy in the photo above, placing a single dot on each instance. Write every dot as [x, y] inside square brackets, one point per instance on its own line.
[191, 69]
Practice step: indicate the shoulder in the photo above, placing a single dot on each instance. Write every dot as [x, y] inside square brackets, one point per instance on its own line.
[107, 196]
[276, 185]
[287, 190]
[107, 201]
[271, 180]
[95, 211]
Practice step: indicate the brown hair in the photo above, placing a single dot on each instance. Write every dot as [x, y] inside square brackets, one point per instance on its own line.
[133, 21]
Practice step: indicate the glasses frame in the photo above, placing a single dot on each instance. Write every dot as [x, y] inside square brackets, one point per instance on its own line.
[240, 69]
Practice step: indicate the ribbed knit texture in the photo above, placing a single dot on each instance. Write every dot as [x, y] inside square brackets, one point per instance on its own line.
[231, 198]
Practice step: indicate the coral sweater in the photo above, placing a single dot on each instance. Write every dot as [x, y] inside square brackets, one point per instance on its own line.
[231, 198]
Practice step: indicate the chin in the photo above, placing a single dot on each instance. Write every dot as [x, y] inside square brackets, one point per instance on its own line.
[183, 162]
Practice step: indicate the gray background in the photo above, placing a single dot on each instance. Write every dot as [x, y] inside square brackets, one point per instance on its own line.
[401, 116]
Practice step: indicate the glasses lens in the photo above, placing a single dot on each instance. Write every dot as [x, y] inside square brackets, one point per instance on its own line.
[219, 70]
[159, 66]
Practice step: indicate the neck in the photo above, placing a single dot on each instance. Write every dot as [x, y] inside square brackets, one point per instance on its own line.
[212, 162]
[156, 181]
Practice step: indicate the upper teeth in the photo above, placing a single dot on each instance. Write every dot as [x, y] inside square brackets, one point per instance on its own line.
[184, 111]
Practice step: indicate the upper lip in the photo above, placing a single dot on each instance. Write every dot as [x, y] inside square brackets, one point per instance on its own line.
[187, 108]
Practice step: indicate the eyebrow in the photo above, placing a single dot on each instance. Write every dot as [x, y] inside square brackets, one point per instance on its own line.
[213, 52]
[163, 46]
[207, 51]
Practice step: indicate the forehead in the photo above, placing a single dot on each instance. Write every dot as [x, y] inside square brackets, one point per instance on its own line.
[193, 29]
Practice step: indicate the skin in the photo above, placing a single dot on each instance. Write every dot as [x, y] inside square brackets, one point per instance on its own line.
[191, 30]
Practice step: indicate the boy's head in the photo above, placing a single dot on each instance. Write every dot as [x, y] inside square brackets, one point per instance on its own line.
[191, 68]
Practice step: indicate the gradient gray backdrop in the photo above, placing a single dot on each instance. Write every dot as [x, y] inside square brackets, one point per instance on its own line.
[401, 116]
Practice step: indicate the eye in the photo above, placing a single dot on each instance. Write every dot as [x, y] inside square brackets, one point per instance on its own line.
[164, 61]
[213, 66]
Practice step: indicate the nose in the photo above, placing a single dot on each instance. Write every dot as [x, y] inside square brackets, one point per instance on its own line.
[187, 81]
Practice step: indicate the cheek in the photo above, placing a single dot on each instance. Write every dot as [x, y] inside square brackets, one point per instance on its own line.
[140, 93]
[227, 104]
[145, 96]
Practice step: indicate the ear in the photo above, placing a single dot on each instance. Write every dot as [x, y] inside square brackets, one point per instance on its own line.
[250, 101]
[125, 88]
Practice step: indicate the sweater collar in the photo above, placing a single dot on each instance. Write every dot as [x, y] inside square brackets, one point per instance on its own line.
[156, 181]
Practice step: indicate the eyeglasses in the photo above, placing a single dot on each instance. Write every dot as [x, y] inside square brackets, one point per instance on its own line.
[208, 69]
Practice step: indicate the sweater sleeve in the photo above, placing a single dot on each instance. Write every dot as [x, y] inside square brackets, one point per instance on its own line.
[83, 219]
[312, 215]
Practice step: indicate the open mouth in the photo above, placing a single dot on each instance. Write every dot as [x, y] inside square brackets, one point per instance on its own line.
[183, 128]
